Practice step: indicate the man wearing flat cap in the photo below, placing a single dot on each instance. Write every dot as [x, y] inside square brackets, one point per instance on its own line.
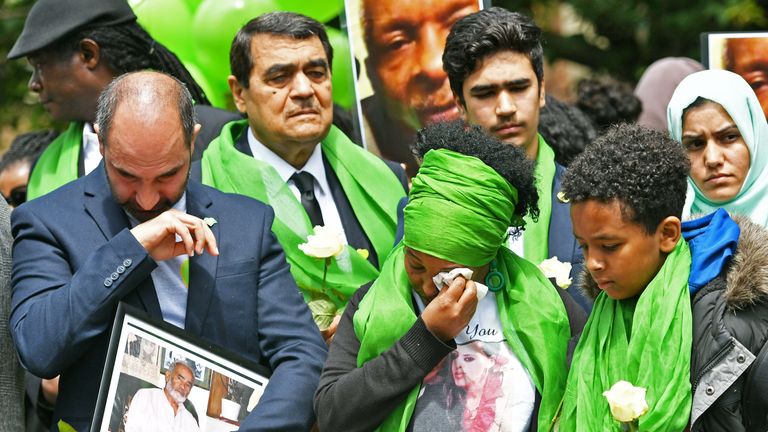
[76, 48]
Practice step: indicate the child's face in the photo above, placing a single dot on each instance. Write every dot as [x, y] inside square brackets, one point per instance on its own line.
[619, 254]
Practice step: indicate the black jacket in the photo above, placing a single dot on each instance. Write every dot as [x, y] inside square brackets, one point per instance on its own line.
[729, 362]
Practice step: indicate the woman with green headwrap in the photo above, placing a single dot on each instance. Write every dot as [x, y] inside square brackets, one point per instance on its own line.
[395, 356]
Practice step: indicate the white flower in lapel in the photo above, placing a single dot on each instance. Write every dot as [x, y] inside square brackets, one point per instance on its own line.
[210, 221]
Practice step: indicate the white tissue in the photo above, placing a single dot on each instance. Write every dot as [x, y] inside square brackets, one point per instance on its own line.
[446, 278]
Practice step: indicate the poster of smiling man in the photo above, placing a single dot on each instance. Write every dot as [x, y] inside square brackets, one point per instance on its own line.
[401, 83]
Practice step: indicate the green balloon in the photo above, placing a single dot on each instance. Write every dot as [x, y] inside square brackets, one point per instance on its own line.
[342, 74]
[168, 22]
[192, 5]
[214, 26]
[321, 10]
[216, 96]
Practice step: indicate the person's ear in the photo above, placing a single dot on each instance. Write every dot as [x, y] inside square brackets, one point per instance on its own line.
[89, 52]
[542, 94]
[195, 133]
[101, 144]
[238, 93]
[460, 105]
[669, 232]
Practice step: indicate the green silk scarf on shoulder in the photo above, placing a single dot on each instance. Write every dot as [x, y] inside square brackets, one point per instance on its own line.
[57, 165]
[533, 320]
[536, 236]
[371, 187]
[656, 357]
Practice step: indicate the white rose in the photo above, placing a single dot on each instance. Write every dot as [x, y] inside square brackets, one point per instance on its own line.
[627, 402]
[324, 243]
[553, 268]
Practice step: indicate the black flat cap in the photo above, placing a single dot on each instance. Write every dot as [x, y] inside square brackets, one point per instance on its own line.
[50, 20]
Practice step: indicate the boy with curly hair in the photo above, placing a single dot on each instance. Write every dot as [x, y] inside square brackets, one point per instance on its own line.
[627, 192]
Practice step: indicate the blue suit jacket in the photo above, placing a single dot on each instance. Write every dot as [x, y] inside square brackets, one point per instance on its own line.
[69, 241]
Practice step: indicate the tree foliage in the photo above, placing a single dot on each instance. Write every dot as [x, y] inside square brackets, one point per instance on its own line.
[622, 37]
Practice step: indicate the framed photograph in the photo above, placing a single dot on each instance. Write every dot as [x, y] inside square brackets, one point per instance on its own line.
[734, 51]
[400, 83]
[151, 363]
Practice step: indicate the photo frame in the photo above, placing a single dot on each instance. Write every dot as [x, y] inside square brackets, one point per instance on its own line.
[384, 106]
[144, 356]
[714, 47]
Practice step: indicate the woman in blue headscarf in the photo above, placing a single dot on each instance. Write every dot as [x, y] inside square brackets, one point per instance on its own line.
[718, 119]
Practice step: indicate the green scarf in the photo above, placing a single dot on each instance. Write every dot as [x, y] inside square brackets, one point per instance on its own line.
[373, 192]
[459, 196]
[536, 237]
[57, 165]
[533, 321]
[656, 357]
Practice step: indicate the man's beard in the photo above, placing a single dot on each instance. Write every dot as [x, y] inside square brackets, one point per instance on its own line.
[141, 215]
[175, 395]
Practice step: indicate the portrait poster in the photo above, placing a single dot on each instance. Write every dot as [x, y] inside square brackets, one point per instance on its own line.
[220, 390]
[401, 86]
[744, 53]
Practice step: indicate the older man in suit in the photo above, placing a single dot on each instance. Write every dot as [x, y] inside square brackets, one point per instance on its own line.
[288, 154]
[123, 232]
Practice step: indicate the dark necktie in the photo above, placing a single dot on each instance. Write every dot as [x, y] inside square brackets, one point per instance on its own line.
[305, 182]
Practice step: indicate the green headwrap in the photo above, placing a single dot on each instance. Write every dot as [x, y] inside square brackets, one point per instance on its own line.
[646, 341]
[450, 184]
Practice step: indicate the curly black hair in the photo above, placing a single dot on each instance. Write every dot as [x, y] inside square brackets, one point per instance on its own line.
[487, 32]
[566, 129]
[509, 161]
[643, 169]
[27, 147]
[608, 102]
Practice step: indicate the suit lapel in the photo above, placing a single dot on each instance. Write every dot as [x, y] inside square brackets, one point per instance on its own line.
[111, 219]
[202, 268]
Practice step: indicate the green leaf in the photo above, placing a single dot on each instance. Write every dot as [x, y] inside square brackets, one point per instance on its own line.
[65, 427]
[323, 311]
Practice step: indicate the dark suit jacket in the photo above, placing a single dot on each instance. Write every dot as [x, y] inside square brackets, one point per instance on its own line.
[70, 241]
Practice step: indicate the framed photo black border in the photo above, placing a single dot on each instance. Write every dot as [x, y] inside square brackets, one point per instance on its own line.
[705, 39]
[204, 349]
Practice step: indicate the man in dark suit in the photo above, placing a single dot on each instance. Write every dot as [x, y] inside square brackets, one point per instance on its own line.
[76, 48]
[123, 232]
[288, 154]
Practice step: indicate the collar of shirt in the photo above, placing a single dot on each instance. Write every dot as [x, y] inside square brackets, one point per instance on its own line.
[91, 153]
[285, 170]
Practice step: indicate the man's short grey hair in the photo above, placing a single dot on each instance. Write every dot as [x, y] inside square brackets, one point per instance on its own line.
[183, 362]
[123, 87]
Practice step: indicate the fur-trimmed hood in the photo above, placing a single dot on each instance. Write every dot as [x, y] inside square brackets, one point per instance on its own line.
[747, 279]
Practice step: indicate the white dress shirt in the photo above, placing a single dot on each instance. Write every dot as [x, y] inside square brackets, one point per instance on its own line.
[91, 153]
[172, 294]
[150, 411]
[313, 166]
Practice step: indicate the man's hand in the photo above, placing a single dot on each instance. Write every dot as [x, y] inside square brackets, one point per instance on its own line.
[158, 236]
[451, 310]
